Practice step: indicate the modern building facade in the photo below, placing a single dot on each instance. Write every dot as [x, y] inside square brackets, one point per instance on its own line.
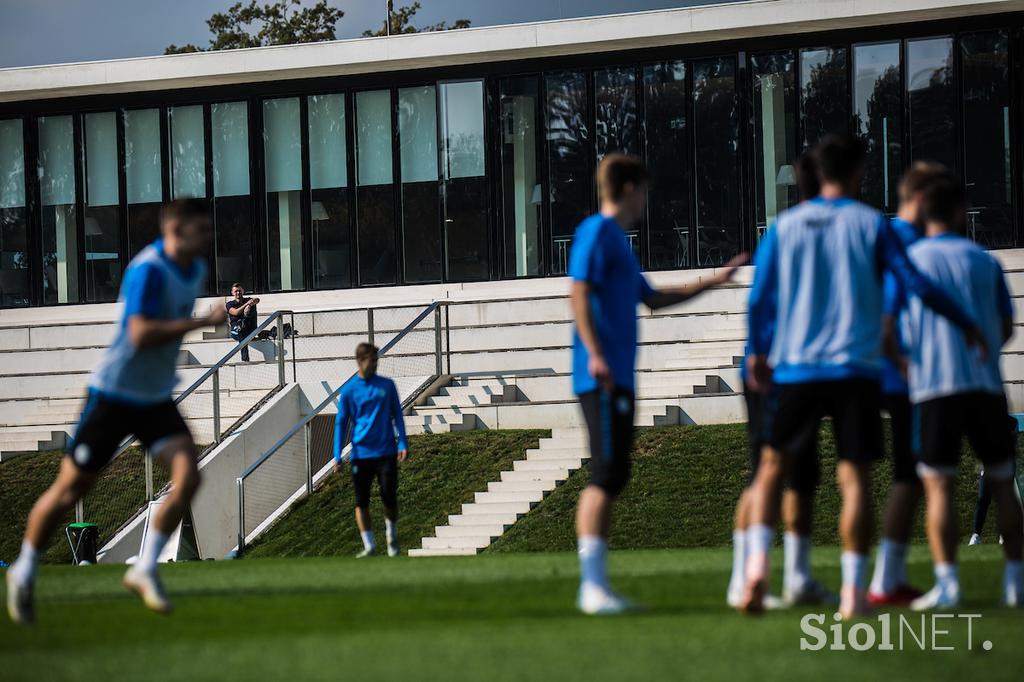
[469, 155]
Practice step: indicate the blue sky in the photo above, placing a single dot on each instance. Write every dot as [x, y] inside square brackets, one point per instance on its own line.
[55, 31]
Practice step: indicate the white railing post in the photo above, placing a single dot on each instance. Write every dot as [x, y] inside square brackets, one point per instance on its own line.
[216, 406]
[438, 366]
[241, 515]
[149, 476]
[309, 459]
[280, 351]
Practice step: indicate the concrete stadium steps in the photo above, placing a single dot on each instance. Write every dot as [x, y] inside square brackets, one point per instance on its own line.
[28, 441]
[496, 509]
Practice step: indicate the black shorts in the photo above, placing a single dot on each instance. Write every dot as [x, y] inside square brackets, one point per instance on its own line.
[805, 472]
[794, 414]
[104, 424]
[385, 470]
[609, 419]
[904, 466]
[939, 426]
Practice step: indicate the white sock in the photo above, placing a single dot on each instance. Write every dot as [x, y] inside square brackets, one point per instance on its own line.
[853, 566]
[1012, 574]
[392, 531]
[368, 543]
[739, 561]
[796, 566]
[23, 572]
[151, 548]
[947, 575]
[593, 551]
[890, 565]
[759, 541]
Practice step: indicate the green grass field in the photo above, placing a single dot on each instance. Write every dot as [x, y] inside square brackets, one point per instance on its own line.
[496, 617]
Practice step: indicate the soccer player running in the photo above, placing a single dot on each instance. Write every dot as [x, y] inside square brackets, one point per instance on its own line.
[130, 393]
[798, 585]
[958, 392]
[607, 286]
[818, 277]
[889, 582]
[370, 402]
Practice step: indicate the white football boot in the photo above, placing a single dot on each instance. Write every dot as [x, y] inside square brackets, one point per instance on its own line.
[148, 586]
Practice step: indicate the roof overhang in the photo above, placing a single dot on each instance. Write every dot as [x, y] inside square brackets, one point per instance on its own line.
[660, 28]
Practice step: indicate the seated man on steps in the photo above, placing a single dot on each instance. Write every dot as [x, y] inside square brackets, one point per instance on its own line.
[241, 312]
[371, 403]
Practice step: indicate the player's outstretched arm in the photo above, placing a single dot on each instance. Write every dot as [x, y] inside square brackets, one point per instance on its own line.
[340, 431]
[662, 298]
[396, 412]
[147, 331]
[579, 297]
[893, 256]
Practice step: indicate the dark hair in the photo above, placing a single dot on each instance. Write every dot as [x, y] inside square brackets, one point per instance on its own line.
[616, 171]
[920, 176]
[185, 210]
[239, 285]
[365, 350]
[945, 203]
[839, 157]
[807, 184]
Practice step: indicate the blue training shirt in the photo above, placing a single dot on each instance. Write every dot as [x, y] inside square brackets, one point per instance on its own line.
[819, 277]
[601, 257]
[155, 287]
[941, 363]
[372, 405]
[893, 382]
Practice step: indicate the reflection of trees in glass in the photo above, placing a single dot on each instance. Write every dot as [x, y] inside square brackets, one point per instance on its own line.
[932, 102]
[714, 95]
[823, 94]
[880, 132]
[667, 155]
[465, 151]
[615, 129]
[568, 139]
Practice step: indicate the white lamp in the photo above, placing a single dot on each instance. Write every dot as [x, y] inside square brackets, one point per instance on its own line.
[786, 176]
[318, 211]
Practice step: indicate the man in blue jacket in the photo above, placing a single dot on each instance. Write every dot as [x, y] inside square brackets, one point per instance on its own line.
[370, 402]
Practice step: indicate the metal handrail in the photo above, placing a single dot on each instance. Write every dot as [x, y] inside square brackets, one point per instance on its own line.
[334, 394]
[304, 423]
[278, 317]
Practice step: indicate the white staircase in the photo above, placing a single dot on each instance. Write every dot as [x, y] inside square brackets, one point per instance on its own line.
[520, 489]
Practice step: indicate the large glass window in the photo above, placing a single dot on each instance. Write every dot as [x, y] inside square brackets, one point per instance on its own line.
[465, 181]
[824, 104]
[570, 171]
[188, 152]
[716, 152]
[232, 206]
[417, 134]
[329, 207]
[282, 151]
[102, 208]
[14, 284]
[143, 183]
[932, 100]
[775, 114]
[615, 99]
[878, 115]
[521, 193]
[667, 153]
[375, 200]
[57, 206]
[986, 113]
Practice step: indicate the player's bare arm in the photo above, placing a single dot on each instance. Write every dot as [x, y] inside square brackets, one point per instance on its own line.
[580, 298]
[675, 295]
[146, 331]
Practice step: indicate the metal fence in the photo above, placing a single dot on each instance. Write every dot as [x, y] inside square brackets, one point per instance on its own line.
[217, 401]
[414, 351]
